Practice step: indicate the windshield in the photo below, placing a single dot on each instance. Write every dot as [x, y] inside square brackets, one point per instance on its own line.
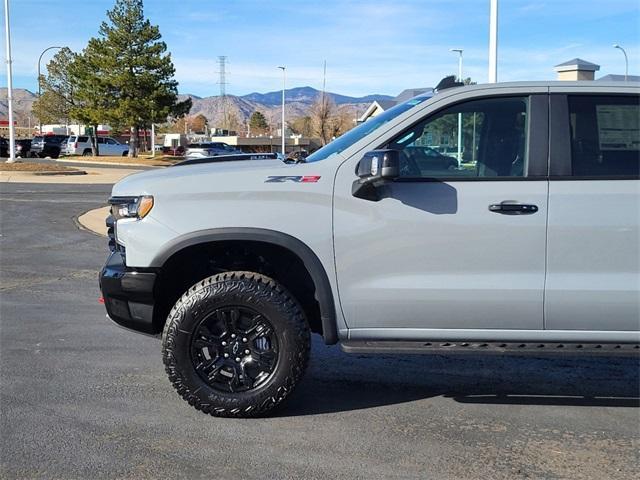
[352, 136]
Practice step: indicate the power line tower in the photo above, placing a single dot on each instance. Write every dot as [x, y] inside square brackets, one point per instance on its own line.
[222, 65]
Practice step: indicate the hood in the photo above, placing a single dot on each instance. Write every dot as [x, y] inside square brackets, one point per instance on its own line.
[153, 181]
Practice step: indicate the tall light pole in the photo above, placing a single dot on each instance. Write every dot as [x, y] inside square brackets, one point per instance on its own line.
[284, 84]
[626, 61]
[40, 83]
[459, 50]
[12, 130]
[493, 42]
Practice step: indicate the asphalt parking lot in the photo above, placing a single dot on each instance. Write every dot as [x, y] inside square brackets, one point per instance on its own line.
[81, 398]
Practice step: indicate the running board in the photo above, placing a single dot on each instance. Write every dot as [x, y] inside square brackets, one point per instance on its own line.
[442, 347]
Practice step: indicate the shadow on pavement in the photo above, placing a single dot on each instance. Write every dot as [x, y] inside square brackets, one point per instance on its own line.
[337, 382]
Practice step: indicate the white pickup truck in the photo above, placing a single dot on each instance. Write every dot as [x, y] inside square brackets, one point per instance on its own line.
[531, 244]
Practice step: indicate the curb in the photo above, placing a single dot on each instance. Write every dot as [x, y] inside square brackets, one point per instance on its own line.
[53, 172]
[120, 164]
[80, 221]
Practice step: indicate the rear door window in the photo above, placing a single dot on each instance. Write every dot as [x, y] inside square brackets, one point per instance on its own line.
[605, 136]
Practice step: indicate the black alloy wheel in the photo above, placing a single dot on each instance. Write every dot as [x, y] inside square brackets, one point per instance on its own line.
[234, 349]
[236, 344]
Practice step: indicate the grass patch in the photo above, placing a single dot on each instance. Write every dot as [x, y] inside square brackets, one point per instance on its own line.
[34, 167]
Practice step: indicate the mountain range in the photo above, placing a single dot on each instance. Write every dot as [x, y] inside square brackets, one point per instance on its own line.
[298, 102]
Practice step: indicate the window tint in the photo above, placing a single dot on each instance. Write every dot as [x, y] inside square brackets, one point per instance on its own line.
[110, 141]
[605, 135]
[101, 140]
[83, 139]
[480, 138]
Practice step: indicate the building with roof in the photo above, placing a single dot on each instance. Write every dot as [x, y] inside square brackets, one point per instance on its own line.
[379, 106]
[576, 69]
[612, 77]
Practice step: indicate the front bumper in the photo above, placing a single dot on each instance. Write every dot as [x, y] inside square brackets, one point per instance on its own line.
[128, 294]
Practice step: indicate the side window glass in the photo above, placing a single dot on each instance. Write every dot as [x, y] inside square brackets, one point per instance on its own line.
[100, 141]
[605, 135]
[110, 141]
[480, 138]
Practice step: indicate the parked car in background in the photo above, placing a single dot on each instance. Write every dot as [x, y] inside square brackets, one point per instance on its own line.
[107, 146]
[428, 159]
[210, 149]
[23, 147]
[298, 155]
[48, 146]
[4, 147]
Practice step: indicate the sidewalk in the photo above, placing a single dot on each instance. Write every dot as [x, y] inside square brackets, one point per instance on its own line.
[93, 176]
[94, 220]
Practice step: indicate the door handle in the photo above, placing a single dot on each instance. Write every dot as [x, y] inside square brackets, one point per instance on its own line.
[513, 208]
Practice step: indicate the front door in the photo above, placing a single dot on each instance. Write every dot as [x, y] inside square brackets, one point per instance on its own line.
[458, 241]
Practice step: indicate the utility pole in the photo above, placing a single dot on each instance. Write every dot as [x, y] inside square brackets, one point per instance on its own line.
[323, 108]
[222, 64]
[284, 85]
[459, 50]
[12, 129]
[493, 42]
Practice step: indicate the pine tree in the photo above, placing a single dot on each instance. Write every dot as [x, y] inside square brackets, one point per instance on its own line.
[257, 122]
[125, 76]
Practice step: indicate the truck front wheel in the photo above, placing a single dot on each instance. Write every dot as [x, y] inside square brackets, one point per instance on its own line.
[236, 344]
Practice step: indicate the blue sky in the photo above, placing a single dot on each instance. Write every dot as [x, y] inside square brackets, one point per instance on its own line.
[370, 46]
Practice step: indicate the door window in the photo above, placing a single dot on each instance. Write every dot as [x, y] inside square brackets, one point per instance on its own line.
[605, 135]
[110, 141]
[481, 138]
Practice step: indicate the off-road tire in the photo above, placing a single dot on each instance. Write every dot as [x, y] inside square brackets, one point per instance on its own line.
[261, 294]
[87, 152]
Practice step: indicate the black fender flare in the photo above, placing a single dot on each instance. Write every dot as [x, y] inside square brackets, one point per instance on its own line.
[312, 263]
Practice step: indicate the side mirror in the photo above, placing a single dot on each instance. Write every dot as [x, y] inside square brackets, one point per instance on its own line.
[376, 168]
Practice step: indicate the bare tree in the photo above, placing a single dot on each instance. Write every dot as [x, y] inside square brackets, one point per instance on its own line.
[321, 114]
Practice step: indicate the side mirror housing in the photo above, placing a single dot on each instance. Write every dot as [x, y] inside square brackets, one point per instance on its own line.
[376, 168]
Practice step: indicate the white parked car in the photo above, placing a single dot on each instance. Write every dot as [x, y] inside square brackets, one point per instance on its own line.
[107, 146]
[210, 149]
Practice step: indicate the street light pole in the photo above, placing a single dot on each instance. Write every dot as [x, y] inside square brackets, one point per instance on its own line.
[40, 83]
[284, 84]
[493, 42]
[626, 61]
[12, 130]
[459, 50]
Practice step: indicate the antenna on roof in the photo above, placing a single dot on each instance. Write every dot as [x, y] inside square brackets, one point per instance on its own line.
[448, 82]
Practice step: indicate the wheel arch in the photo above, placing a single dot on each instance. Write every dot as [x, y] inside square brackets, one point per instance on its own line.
[310, 261]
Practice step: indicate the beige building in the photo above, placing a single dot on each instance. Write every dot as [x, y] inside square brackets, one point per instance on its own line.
[576, 69]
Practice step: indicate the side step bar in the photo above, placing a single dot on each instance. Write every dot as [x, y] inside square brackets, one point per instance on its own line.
[443, 347]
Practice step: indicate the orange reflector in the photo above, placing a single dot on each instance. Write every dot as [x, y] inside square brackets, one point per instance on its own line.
[146, 204]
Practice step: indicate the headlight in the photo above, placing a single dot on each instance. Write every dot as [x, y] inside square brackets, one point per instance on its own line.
[131, 207]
